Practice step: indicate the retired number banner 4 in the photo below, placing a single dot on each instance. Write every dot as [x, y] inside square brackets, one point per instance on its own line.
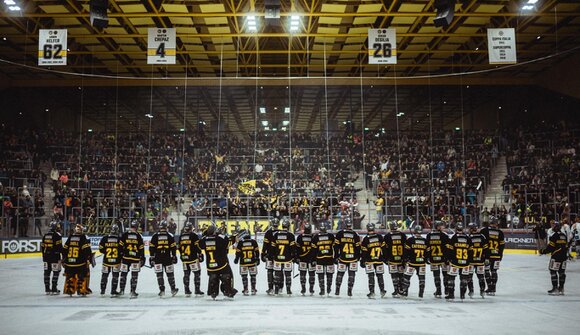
[161, 46]
[382, 46]
[52, 47]
[501, 44]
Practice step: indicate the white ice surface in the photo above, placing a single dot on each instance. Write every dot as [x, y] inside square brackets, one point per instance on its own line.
[520, 306]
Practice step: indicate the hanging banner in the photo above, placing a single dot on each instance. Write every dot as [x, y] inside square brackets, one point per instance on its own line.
[501, 44]
[52, 47]
[161, 46]
[382, 46]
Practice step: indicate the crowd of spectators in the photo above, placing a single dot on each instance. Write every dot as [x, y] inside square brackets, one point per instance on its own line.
[414, 177]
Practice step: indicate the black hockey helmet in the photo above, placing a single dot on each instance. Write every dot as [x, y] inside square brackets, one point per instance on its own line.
[493, 220]
[307, 228]
[135, 225]
[556, 226]
[348, 222]
[393, 225]
[210, 230]
[472, 227]
[54, 226]
[459, 226]
[243, 234]
[274, 223]
[417, 229]
[114, 229]
[162, 225]
[188, 227]
[370, 227]
[323, 226]
[439, 224]
[285, 223]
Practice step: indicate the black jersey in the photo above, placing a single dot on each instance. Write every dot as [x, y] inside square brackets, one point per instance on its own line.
[132, 247]
[189, 247]
[372, 249]
[495, 242]
[416, 251]
[323, 245]
[558, 247]
[347, 243]
[458, 250]
[162, 247]
[267, 246]
[77, 250]
[304, 246]
[479, 249]
[110, 247]
[51, 246]
[283, 246]
[248, 252]
[436, 244]
[394, 247]
[216, 251]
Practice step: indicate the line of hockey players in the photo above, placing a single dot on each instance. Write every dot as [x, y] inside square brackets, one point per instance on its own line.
[466, 252]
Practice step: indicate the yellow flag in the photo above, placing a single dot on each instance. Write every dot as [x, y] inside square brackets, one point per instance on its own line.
[248, 187]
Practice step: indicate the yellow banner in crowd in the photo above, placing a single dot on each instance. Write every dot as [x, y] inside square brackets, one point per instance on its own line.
[248, 187]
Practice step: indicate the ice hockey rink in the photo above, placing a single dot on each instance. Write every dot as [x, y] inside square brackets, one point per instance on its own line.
[520, 306]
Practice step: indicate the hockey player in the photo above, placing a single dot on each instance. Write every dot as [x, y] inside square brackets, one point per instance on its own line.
[496, 244]
[267, 254]
[110, 247]
[162, 257]
[477, 257]
[372, 255]
[283, 251]
[558, 248]
[133, 251]
[51, 246]
[437, 241]
[306, 259]
[248, 256]
[416, 257]
[323, 245]
[191, 259]
[347, 248]
[458, 250]
[76, 254]
[394, 252]
[216, 248]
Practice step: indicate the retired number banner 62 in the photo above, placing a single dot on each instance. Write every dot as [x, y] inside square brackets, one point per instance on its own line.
[52, 47]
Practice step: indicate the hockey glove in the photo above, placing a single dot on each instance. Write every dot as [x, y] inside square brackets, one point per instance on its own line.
[264, 259]
[257, 261]
[542, 252]
[152, 261]
[174, 259]
[201, 258]
[362, 264]
[236, 260]
[142, 262]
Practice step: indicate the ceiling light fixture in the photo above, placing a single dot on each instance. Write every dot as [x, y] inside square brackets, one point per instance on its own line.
[252, 26]
[262, 110]
[294, 23]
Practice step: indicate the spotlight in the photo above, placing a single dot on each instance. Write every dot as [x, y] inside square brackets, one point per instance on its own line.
[445, 12]
[98, 13]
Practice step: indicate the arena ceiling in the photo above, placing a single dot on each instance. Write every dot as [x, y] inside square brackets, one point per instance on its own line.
[216, 49]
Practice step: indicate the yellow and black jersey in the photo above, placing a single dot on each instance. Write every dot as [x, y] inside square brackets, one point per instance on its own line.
[163, 247]
[558, 247]
[416, 251]
[189, 247]
[248, 252]
[372, 249]
[394, 247]
[458, 250]
[283, 246]
[323, 245]
[77, 251]
[132, 247]
[304, 246]
[110, 247]
[216, 251]
[267, 245]
[51, 246]
[479, 249]
[347, 243]
[436, 243]
[495, 241]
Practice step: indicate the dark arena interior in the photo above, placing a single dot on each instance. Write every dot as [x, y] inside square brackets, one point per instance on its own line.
[129, 127]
